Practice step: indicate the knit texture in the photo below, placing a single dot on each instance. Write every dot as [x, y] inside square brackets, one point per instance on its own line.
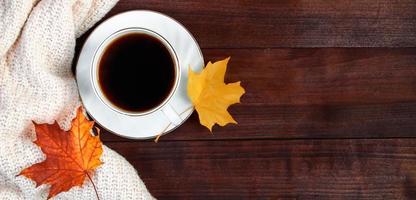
[37, 42]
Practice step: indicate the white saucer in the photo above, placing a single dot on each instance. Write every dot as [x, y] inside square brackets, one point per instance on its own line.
[151, 124]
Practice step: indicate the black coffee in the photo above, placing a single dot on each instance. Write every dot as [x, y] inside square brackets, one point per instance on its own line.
[136, 72]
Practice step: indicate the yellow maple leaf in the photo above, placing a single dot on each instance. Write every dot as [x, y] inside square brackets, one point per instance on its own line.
[211, 96]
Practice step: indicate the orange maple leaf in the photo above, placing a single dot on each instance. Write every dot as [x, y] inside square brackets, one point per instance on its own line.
[71, 156]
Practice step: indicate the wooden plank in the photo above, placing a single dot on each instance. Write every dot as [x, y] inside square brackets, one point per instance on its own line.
[270, 23]
[271, 169]
[316, 93]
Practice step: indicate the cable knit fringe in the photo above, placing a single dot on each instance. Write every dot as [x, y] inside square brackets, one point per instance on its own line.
[37, 41]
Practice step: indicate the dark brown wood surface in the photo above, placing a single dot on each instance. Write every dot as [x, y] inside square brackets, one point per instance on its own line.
[330, 108]
[272, 169]
[290, 23]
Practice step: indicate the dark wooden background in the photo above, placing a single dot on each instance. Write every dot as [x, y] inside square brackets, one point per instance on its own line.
[330, 108]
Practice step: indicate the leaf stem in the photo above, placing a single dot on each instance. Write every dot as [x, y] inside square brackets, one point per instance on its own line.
[95, 188]
[186, 110]
[160, 134]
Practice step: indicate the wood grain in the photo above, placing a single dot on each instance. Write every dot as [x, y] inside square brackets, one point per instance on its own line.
[290, 23]
[317, 121]
[272, 169]
[316, 93]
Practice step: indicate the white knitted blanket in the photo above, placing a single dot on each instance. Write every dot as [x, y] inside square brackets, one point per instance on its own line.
[37, 41]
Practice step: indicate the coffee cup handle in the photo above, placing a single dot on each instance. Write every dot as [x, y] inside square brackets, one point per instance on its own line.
[171, 114]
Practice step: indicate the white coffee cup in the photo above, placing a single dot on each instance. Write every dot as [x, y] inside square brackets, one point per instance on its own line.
[163, 106]
[168, 114]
